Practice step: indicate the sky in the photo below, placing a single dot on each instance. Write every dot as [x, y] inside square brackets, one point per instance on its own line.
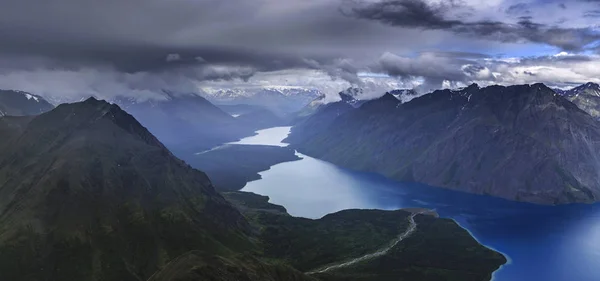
[69, 49]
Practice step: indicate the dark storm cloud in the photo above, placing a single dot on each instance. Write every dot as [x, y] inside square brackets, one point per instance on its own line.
[419, 14]
[428, 65]
[157, 35]
[113, 46]
[405, 13]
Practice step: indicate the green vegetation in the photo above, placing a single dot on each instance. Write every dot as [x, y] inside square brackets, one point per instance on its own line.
[439, 249]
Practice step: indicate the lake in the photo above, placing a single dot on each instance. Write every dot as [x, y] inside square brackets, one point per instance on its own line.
[543, 243]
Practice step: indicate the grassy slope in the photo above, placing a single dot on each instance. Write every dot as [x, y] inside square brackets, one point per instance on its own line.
[439, 250]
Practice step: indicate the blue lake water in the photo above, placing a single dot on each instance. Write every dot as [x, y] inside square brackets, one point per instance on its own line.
[543, 243]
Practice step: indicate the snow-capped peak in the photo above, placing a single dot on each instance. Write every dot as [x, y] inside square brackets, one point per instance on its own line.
[589, 89]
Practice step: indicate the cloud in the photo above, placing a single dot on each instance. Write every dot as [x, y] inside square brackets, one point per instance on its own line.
[421, 14]
[106, 47]
[518, 9]
[173, 57]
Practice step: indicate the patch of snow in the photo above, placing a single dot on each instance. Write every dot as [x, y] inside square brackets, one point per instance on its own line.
[29, 97]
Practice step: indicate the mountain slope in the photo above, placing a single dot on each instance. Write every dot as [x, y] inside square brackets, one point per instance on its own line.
[586, 97]
[319, 121]
[17, 103]
[521, 142]
[89, 194]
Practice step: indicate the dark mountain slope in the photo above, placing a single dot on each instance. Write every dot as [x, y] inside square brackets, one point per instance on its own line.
[520, 142]
[17, 103]
[231, 167]
[196, 266]
[87, 193]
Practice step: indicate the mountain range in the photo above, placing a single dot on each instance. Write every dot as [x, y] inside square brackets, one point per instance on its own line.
[355, 97]
[280, 100]
[523, 142]
[88, 193]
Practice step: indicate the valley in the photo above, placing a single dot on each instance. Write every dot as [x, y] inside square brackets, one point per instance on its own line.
[300, 140]
[91, 194]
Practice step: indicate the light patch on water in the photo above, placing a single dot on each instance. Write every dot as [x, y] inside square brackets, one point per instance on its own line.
[271, 136]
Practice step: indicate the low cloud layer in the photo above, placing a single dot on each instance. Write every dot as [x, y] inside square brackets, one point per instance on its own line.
[73, 48]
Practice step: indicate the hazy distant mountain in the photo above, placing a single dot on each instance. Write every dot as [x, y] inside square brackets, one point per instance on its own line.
[89, 194]
[586, 97]
[521, 142]
[184, 121]
[17, 103]
[280, 100]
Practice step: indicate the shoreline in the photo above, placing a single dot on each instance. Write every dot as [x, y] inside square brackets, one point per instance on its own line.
[509, 260]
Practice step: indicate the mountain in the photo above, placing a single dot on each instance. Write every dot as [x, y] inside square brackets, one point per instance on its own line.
[586, 97]
[187, 121]
[523, 142]
[310, 108]
[17, 103]
[88, 193]
[280, 100]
